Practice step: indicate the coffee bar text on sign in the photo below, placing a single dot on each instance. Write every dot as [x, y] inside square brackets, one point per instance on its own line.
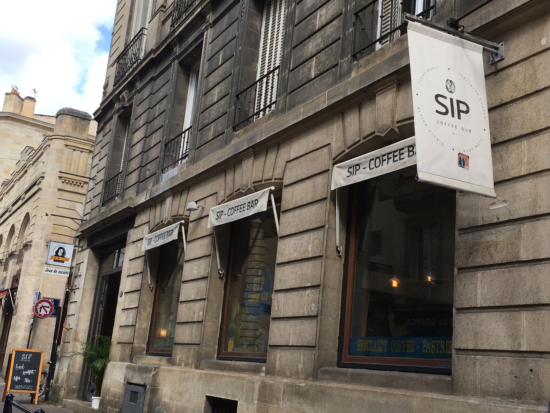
[391, 158]
[161, 237]
[239, 208]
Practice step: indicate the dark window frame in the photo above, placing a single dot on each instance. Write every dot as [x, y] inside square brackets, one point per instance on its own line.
[345, 360]
[233, 355]
[150, 350]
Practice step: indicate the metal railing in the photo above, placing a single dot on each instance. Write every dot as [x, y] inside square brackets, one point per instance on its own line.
[9, 404]
[130, 56]
[257, 100]
[374, 27]
[176, 150]
[179, 10]
[111, 188]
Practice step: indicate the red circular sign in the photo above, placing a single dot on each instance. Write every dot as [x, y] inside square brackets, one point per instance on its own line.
[43, 308]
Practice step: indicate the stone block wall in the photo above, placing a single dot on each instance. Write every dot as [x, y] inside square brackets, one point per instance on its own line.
[501, 297]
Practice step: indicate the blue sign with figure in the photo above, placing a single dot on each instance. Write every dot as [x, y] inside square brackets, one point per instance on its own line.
[257, 295]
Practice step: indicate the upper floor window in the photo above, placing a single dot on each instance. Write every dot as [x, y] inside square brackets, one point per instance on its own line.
[260, 97]
[118, 153]
[379, 22]
[142, 15]
[400, 274]
[176, 149]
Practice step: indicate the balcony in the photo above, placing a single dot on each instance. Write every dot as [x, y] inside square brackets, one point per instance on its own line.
[383, 21]
[179, 10]
[130, 56]
[176, 150]
[111, 188]
[257, 100]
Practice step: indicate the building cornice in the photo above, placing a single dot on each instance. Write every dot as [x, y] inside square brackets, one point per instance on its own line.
[25, 120]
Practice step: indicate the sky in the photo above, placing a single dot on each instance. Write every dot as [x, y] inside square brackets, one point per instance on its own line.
[58, 47]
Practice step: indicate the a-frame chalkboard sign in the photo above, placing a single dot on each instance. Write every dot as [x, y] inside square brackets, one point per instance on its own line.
[24, 372]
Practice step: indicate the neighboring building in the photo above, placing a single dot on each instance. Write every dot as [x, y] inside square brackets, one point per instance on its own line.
[208, 102]
[42, 201]
[20, 127]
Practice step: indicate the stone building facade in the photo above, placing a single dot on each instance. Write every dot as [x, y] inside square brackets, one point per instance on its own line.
[20, 127]
[209, 102]
[42, 201]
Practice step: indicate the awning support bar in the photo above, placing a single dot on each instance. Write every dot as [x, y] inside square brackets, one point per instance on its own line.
[148, 270]
[11, 298]
[275, 213]
[338, 246]
[221, 272]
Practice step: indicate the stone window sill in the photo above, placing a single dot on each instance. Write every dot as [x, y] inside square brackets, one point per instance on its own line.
[234, 366]
[152, 360]
[432, 383]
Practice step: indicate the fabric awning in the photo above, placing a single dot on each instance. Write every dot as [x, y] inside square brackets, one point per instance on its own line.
[161, 237]
[239, 208]
[382, 161]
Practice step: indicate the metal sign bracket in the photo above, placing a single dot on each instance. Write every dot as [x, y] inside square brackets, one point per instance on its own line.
[455, 29]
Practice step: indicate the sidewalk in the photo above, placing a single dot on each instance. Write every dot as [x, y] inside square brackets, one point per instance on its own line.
[25, 400]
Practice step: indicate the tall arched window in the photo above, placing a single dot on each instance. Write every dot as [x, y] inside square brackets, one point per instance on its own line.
[23, 232]
[7, 248]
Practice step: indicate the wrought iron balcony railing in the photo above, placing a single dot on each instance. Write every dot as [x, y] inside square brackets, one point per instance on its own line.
[179, 10]
[383, 21]
[176, 150]
[257, 100]
[111, 188]
[130, 56]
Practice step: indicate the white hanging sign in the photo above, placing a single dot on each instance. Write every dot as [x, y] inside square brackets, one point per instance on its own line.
[48, 269]
[239, 208]
[382, 161]
[60, 254]
[161, 237]
[451, 120]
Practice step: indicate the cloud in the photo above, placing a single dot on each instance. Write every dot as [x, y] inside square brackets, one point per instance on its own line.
[58, 47]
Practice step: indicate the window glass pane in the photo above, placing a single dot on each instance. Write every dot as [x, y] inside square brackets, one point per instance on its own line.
[254, 251]
[167, 296]
[108, 261]
[404, 264]
[121, 256]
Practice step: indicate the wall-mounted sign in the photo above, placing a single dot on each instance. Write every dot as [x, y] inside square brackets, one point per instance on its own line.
[57, 271]
[60, 254]
[382, 161]
[43, 308]
[257, 295]
[161, 237]
[239, 208]
[451, 119]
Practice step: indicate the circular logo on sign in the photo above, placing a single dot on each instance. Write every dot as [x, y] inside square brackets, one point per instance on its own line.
[450, 85]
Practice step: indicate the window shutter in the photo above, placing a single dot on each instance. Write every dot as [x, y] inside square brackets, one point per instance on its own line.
[390, 18]
[123, 160]
[271, 50]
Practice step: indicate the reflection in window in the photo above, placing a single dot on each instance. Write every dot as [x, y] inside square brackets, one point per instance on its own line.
[167, 294]
[401, 272]
[250, 286]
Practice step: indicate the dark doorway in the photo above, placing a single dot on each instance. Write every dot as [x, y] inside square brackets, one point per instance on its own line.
[8, 313]
[105, 305]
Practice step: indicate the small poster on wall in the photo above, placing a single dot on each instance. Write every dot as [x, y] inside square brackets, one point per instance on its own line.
[60, 254]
